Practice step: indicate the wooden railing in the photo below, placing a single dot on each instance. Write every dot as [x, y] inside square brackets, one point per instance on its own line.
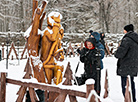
[62, 92]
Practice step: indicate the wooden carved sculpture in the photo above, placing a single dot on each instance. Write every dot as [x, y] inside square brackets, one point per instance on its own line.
[42, 56]
[51, 47]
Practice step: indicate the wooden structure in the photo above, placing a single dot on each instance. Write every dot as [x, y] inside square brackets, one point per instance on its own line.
[25, 49]
[68, 75]
[128, 93]
[24, 85]
[3, 51]
[13, 48]
[28, 70]
[108, 50]
[68, 50]
[106, 85]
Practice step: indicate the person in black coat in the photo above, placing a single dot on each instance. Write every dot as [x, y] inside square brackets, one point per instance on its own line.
[102, 36]
[91, 61]
[90, 32]
[127, 54]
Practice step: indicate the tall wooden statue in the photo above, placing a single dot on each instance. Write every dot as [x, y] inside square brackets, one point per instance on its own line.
[44, 47]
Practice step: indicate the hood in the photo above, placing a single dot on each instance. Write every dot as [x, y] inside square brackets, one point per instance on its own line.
[92, 40]
[96, 36]
[132, 35]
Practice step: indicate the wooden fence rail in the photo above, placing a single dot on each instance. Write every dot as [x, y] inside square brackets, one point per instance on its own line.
[49, 88]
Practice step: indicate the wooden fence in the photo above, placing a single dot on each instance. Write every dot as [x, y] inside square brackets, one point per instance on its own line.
[62, 92]
[70, 51]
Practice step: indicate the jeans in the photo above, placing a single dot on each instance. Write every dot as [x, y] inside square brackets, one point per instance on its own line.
[123, 83]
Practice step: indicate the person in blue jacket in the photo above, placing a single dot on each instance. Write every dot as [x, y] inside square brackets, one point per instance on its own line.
[99, 45]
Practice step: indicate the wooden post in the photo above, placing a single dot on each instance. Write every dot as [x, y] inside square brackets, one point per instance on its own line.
[90, 86]
[128, 97]
[107, 48]
[21, 94]
[46, 96]
[106, 85]
[62, 96]
[2, 51]
[68, 76]
[3, 88]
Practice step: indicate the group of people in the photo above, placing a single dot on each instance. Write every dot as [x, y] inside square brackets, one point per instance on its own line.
[127, 54]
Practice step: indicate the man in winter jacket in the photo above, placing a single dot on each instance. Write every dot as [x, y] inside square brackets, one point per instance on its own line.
[127, 54]
[89, 56]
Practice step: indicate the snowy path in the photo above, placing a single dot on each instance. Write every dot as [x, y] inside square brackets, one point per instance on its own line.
[15, 71]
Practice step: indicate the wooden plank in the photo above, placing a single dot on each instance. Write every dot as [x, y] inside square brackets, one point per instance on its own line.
[72, 98]
[62, 96]
[45, 87]
[46, 96]
[35, 4]
[3, 88]
[52, 96]
[89, 88]
[33, 95]
[106, 86]
[20, 89]
[21, 94]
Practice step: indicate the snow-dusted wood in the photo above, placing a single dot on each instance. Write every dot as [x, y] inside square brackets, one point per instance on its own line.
[21, 94]
[28, 70]
[25, 48]
[68, 75]
[128, 94]
[106, 87]
[89, 88]
[68, 50]
[3, 88]
[13, 48]
[32, 94]
[3, 51]
[33, 44]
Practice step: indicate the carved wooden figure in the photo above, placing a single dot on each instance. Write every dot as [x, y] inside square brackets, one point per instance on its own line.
[45, 46]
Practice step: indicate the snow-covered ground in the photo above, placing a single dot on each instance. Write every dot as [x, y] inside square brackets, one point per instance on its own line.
[16, 71]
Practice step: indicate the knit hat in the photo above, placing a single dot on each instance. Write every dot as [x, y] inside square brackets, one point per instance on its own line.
[90, 31]
[129, 27]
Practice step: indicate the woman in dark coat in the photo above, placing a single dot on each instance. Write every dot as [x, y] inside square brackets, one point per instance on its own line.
[127, 55]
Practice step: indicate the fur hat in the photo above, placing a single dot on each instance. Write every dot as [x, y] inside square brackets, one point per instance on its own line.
[129, 27]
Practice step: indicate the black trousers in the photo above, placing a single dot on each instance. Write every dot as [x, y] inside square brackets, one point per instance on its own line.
[123, 83]
[39, 93]
[97, 77]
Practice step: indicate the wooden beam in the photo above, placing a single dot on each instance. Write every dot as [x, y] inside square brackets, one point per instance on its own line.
[3, 88]
[46, 87]
[21, 94]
